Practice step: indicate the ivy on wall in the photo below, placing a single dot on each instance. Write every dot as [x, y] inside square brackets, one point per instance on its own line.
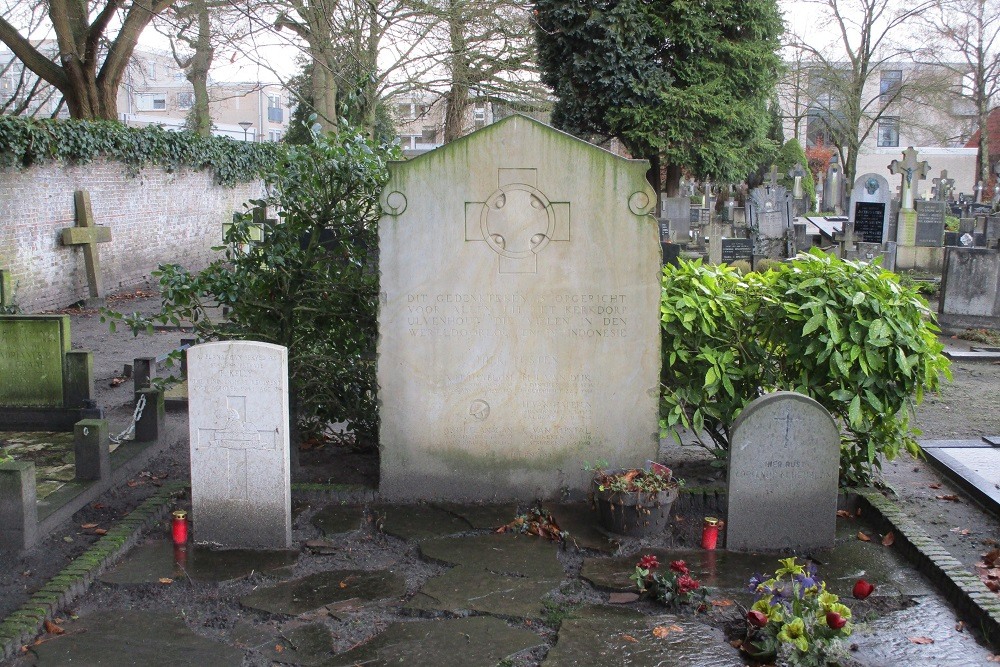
[27, 141]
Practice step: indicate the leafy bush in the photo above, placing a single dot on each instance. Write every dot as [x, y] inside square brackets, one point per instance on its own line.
[791, 153]
[311, 284]
[845, 333]
[764, 265]
[26, 141]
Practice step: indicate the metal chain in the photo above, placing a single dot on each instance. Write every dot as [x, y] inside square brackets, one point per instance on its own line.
[129, 433]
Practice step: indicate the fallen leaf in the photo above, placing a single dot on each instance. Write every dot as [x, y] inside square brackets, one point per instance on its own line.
[993, 658]
[278, 648]
[660, 632]
[52, 628]
[343, 584]
[100, 531]
[993, 585]
[98, 506]
[863, 537]
[629, 638]
[736, 643]
[844, 514]
[960, 626]
[991, 557]
[935, 485]
[889, 538]
[88, 526]
[960, 531]
[132, 483]
[858, 513]
[921, 640]
[622, 598]
[166, 580]
[722, 603]
[949, 496]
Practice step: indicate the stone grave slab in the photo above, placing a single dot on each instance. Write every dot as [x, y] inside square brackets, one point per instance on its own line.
[477, 641]
[784, 461]
[522, 555]
[853, 559]
[930, 223]
[238, 415]
[133, 637]
[993, 440]
[580, 521]
[724, 571]
[601, 636]
[770, 216]
[948, 444]
[467, 588]
[481, 517]
[317, 590]
[508, 343]
[977, 468]
[417, 522]
[336, 519]
[886, 640]
[148, 563]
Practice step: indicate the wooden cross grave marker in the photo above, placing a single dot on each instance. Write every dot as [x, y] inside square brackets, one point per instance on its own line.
[88, 235]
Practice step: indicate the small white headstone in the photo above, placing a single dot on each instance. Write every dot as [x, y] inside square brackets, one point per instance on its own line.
[784, 461]
[238, 414]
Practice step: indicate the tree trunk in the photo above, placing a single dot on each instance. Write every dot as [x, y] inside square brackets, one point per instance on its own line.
[197, 74]
[672, 187]
[653, 177]
[456, 104]
[324, 87]
[457, 100]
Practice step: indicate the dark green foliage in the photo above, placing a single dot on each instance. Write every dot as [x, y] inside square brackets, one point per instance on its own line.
[311, 284]
[845, 333]
[687, 81]
[26, 141]
[790, 155]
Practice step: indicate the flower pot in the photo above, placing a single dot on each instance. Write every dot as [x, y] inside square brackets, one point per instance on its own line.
[632, 513]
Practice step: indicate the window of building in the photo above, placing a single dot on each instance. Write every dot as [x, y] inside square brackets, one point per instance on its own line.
[888, 131]
[890, 83]
[185, 100]
[479, 116]
[179, 75]
[428, 135]
[151, 102]
[274, 135]
[275, 113]
[422, 109]
[152, 71]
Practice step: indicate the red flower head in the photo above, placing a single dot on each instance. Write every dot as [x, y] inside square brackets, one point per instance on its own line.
[649, 562]
[863, 589]
[686, 584]
[835, 620]
[757, 619]
[679, 567]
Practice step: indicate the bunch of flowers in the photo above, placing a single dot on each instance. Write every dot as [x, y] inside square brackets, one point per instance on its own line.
[794, 618]
[673, 588]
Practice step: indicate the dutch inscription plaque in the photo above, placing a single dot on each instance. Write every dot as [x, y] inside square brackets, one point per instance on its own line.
[869, 222]
[737, 249]
[930, 223]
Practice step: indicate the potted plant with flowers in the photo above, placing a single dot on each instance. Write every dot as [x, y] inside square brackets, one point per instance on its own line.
[635, 502]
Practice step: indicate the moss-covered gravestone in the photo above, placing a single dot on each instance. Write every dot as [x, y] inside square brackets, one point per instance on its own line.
[43, 383]
[519, 318]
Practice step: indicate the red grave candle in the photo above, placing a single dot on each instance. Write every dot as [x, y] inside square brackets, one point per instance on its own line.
[710, 533]
[179, 527]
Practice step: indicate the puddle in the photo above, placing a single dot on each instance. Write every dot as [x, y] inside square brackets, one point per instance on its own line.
[150, 562]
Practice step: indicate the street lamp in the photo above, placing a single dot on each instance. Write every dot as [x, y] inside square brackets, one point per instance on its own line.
[246, 126]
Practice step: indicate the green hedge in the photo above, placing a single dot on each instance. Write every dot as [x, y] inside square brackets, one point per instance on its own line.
[28, 141]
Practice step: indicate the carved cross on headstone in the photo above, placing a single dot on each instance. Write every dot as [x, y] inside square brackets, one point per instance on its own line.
[908, 167]
[944, 185]
[788, 420]
[87, 234]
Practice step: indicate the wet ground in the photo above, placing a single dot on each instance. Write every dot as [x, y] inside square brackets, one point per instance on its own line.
[437, 586]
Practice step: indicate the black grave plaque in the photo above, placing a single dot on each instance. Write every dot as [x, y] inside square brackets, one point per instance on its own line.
[869, 220]
[664, 229]
[930, 224]
[737, 249]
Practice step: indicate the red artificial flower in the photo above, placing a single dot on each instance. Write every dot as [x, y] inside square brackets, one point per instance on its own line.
[649, 562]
[686, 584]
[863, 589]
[835, 620]
[679, 567]
[757, 619]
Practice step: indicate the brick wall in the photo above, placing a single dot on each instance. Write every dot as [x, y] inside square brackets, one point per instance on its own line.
[155, 218]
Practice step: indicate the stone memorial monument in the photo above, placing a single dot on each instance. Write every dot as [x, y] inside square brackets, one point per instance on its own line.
[784, 462]
[869, 211]
[770, 218]
[87, 235]
[912, 172]
[238, 414]
[518, 327]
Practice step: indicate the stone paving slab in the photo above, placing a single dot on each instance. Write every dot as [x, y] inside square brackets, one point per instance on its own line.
[977, 468]
[523, 555]
[580, 521]
[317, 590]
[150, 562]
[337, 519]
[465, 588]
[417, 522]
[477, 641]
[129, 638]
[307, 645]
[947, 444]
[887, 641]
[602, 636]
[481, 517]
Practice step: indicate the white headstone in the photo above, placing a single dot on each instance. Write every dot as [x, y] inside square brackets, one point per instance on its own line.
[784, 462]
[870, 209]
[238, 415]
[519, 319]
